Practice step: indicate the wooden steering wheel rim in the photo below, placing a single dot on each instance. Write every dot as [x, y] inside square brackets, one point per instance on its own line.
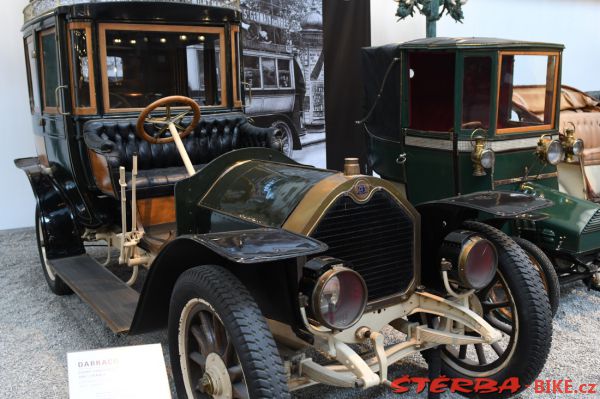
[141, 130]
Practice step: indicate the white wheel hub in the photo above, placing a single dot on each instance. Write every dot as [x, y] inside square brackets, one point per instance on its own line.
[216, 380]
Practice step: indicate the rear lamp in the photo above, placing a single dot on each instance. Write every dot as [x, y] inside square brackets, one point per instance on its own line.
[550, 151]
[474, 259]
[337, 294]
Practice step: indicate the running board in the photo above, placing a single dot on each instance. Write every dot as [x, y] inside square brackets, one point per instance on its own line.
[113, 300]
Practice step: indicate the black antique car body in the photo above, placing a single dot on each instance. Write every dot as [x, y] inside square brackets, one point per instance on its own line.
[251, 257]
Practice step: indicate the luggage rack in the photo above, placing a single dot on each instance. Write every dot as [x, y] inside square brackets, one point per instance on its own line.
[36, 8]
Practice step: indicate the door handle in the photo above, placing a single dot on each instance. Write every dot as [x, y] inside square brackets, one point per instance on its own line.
[58, 102]
[401, 159]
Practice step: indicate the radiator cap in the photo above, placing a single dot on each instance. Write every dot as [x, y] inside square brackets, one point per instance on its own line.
[351, 167]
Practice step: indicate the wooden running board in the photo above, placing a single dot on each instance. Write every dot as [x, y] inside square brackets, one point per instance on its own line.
[113, 300]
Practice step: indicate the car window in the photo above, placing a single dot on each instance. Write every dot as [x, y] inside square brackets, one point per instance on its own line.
[527, 91]
[32, 75]
[49, 62]
[82, 73]
[477, 90]
[252, 71]
[431, 91]
[269, 73]
[283, 72]
[143, 63]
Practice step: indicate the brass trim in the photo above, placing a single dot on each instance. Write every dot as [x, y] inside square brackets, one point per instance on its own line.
[311, 209]
[103, 27]
[93, 108]
[501, 182]
[553, 116]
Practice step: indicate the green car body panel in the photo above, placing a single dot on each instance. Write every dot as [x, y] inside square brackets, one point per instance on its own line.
[438, 164]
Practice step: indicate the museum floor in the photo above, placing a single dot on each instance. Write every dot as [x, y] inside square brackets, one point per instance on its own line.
[37, 329]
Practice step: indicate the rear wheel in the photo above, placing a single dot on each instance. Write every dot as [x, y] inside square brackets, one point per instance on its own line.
[516, 304]
[55, 283]
[219, 342]
[286, 136]
[546, 270]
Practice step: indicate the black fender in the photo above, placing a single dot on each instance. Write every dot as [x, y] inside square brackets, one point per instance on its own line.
[265, 260]
[62, 235]
[441, 217]
[266, 120]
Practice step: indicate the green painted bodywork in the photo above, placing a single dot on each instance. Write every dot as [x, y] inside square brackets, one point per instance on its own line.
[438, 169]
[262, 192]
[198, 212]
[562, 231]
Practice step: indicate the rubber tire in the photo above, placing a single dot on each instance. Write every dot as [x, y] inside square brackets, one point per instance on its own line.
[243, 320]
[547, 267]
[533, 307]
[286, 131]
[56, 285]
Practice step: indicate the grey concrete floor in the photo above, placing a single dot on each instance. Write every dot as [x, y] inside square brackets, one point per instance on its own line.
[38, 329]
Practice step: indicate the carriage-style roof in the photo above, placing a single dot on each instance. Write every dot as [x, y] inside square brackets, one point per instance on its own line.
[453, 43]
[37, 8]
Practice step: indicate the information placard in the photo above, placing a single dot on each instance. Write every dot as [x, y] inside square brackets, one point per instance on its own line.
[125, 372]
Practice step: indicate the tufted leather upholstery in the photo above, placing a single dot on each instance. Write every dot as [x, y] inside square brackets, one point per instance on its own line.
[114, 142]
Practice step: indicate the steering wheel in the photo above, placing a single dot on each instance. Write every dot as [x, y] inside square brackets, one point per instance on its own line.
[168, 122]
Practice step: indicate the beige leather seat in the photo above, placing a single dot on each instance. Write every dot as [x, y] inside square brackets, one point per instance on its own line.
[583, 111]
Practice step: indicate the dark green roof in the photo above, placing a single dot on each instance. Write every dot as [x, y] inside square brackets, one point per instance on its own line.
[454, 43]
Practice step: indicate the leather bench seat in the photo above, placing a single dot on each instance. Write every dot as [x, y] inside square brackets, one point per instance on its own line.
[111, 143]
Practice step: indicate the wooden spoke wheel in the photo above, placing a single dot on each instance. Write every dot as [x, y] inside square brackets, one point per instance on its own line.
[219, 342]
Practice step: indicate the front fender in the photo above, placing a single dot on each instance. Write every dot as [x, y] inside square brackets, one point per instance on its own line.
[63, 237]
[258, 257]
[572, 224]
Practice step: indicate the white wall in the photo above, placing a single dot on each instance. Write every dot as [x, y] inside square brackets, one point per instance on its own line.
[17, 203]
[574, 23]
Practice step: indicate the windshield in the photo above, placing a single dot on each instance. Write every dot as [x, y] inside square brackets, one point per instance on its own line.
[527, 92]
[143, 63]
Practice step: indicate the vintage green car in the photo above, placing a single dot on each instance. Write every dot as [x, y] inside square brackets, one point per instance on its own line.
[460, 115]
[251, 258]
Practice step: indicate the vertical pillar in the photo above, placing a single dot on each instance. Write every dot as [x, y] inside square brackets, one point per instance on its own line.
[432, 17]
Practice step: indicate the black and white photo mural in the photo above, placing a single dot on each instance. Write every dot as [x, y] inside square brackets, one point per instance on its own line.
[284, 72]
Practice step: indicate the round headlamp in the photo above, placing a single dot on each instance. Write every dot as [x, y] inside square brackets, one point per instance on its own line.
[338, 294]
[474, 259]
[550, 151]
[487, 158]
[577, 148]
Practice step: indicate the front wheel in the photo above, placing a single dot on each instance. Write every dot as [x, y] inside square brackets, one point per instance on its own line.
[516, 304]
[219, 342]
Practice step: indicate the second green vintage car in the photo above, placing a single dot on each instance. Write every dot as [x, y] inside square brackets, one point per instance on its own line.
[252, 262]
[459, 115]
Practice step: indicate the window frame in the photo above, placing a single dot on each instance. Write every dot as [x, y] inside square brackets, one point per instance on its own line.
[277, 59]
[523, 129]
[103, 27]
[93, 108]
[235, 53]
[29, 44]
[49, 31]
